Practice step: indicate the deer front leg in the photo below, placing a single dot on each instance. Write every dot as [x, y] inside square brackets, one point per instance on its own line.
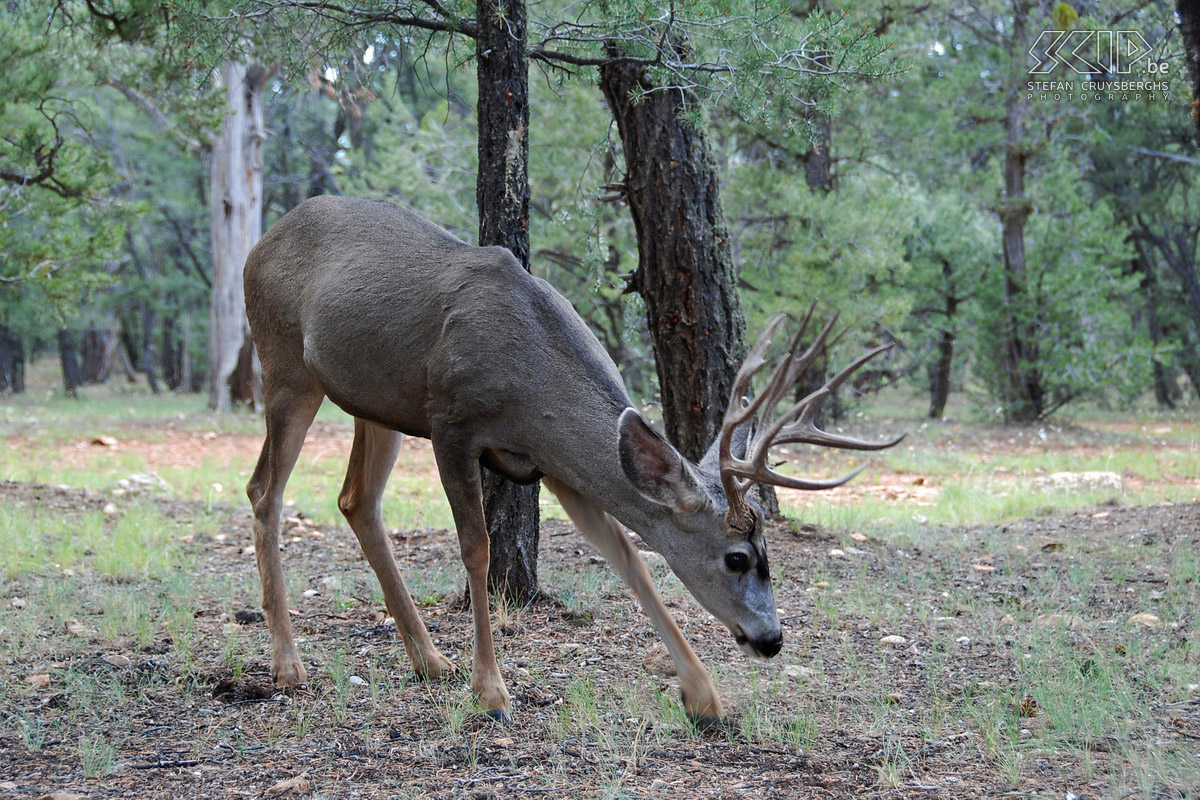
[697, 691]
[288, 417]
[371, 459]
[458, 464]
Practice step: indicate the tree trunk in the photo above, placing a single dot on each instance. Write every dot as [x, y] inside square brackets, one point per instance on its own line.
[1189, 28]
[940, 370]
[685, 268]
[12, 362]
[1164, 392]
[502, 193]
[187, 379]
[236, 205]
[169, 349]
[149, 356]
[70, 363]
[1022, 390]
[100, 346]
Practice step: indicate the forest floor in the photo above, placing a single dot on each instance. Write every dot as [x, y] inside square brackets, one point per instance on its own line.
[958, 623]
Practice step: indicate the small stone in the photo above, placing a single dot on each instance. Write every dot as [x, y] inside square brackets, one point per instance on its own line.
[217, 488]
[963, 640]
[109, 509]
[311, 593]
[105, 441]
[117, 660]
[77, 628]
[39, 681]
[858, 537]
[249, 616]
[837, 552]
[893, 641]
[658, 785]
[357, 681]
[799, 674]
[895, 698]
[983, 568]
[1145, 620]
[18, 602]
[298, 785]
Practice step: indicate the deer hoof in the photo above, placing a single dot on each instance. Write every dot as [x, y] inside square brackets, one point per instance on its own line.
[705, 714]
[499, 715]
[289, 674]
[432, 669]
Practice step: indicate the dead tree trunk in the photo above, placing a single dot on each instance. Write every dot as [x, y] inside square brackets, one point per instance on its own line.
[502, 194]
[236, 206]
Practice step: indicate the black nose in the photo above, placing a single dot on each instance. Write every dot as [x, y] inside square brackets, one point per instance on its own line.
[770, 647]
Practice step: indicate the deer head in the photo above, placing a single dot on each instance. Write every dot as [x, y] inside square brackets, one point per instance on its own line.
[715, 541]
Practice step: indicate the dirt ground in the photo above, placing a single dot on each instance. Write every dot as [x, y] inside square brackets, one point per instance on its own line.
[840, 714]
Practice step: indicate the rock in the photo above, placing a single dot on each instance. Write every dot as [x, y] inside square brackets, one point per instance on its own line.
[357, 681]
[1145, 620]
[799, 674]
[109, 509]
[38, 681]
[1079, 481]
[297, 785]
[893, 641]
[117, 660]
[104, 440]
[77, 628]
[249, 616]
[18, 602]
[858, 537]
[963, 641]
[837, 552]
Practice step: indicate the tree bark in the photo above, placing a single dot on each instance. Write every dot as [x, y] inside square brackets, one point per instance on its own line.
[70, 363]
[12, 362]
[940, 370]
[685, 268]
[502, 194]
[1023, 393]
[236, 206]
[100, 347]
[1164, 393]
[1189, 28]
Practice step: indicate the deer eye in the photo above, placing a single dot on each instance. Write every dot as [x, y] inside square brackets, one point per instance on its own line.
[737, 562]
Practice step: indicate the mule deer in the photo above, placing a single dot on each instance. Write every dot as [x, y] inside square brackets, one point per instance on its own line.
[412, 331]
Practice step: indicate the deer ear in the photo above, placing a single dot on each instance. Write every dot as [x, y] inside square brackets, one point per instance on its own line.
[655, 468]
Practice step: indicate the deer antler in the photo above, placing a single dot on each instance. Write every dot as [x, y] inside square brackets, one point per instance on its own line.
[793, 426]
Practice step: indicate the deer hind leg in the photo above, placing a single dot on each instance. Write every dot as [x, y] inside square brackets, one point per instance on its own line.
[698, 693]
[289, 413]
[460, 472]
[371, 459]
